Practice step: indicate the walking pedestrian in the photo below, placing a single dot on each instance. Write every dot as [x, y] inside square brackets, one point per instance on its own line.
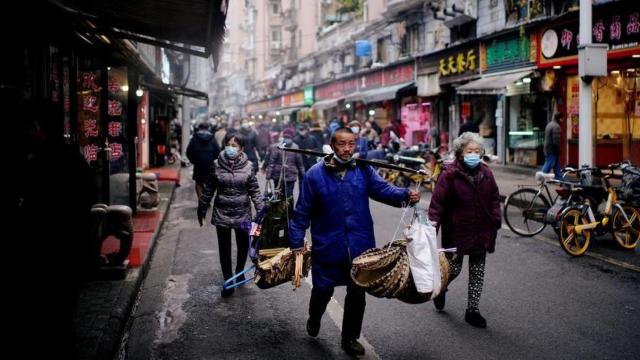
[334, 200]
[552, 146]
[305, 141]
[202, 151]
[362, 144]
[465, 207]
[233, 183]
[293, 163]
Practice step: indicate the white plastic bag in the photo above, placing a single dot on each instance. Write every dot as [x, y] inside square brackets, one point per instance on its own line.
[423, 257]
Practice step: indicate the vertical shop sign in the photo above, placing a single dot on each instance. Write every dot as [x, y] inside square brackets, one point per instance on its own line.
[116, 111]
[89, 114]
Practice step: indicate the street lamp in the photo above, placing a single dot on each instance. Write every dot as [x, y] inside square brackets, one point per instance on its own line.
[139, 92]
[372, 112]
[348, 106]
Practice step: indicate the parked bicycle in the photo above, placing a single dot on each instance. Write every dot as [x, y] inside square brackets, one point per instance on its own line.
[579, 222]
[528, 210]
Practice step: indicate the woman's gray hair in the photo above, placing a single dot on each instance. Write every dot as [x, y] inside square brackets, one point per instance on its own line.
[465, 139]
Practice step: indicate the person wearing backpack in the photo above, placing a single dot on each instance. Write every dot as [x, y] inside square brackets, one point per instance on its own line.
[202, 151]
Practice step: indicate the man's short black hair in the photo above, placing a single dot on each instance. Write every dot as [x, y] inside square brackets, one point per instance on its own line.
[557, 117]
[234, 135]
[341, 129]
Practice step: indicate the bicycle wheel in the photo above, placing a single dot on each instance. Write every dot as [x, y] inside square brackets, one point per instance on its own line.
[524, 212]
[626, 233]
[571, 242]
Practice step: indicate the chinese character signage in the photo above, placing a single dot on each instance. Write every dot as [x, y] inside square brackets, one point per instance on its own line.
[89, 113]
[615, 24]
[507, 53]
[116, 119]
[460, 62]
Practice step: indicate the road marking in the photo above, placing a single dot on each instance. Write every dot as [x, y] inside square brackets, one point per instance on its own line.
[594, 255]
[336, 311]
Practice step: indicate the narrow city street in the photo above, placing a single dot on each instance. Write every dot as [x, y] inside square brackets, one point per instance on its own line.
[539, 304]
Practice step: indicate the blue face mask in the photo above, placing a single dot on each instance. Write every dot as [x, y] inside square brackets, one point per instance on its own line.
[472, 160]
[231, 151]
[356, 130]
[287, 141]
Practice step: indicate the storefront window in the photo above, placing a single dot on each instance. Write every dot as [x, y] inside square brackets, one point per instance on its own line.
[527, 119]
[616, 114]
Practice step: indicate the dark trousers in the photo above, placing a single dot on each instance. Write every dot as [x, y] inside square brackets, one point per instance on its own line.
[224, 248]
[354, 304]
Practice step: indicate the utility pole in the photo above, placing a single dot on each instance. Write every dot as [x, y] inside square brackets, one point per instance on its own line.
[585, 135]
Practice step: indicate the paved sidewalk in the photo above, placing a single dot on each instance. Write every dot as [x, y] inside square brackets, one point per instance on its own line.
[104, 305]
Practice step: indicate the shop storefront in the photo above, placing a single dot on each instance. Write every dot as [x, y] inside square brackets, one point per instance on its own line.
[382, 93]
[296, 106]
[514, 112]
[616, 109]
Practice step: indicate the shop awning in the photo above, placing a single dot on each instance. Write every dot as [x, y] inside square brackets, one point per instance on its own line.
[377, 95]
[177, 90]
[326, 104]
[174, 24]
[491, 85]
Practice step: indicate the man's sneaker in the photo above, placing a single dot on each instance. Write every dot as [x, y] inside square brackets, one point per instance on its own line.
[313, 327]
[352, 347]
[439, 300]
[474, 318]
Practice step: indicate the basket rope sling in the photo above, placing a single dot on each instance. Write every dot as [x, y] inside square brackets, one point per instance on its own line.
[385, 271]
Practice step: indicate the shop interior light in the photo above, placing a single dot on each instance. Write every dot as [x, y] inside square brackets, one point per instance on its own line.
[526, 80]
[520, 132]
[636, 56]
[273, 120]
[277, 113]
[105, 39]
[253, 116]
[372, 112]
[124, 88]
[259, 116]
[348, 106]
[108, 68]
[139, 92]
[631, 70]
[518, 83]
[615, 72]
[557, 67]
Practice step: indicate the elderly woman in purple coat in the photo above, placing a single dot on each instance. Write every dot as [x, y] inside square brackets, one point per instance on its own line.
[465, 206]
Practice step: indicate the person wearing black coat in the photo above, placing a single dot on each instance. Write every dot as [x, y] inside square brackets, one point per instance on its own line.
[308, 142]
[202, 151]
